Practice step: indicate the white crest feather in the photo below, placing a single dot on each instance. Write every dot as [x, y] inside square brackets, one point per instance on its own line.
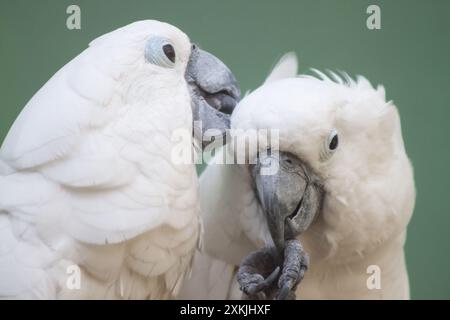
[286, 67]
[339, 77]
[343, 78]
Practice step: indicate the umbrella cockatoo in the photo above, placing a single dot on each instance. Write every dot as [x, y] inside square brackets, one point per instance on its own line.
[92, 202]
[343, 186]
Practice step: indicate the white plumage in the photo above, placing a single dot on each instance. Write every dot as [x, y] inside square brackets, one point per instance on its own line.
[86, 176]
[368, 182]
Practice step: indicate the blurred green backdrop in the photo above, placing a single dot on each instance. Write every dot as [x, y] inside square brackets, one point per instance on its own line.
[409, 55]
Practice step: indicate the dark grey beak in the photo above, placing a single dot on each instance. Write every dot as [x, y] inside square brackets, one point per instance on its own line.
[291, 196]
[214, 93]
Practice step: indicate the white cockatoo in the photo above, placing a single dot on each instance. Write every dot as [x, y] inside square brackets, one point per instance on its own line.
[344, 187]
[92, 202]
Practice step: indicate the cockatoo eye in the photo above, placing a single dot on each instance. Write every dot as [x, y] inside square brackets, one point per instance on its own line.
[160, 51]
[333, 142]
[330, 145]
[170, 52]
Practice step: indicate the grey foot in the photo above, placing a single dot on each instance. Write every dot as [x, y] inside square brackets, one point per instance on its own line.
[295, 264]
[259, 271]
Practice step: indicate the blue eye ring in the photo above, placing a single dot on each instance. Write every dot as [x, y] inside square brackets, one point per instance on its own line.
[160, 51]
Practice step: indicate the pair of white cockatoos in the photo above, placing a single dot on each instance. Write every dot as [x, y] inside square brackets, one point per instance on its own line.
[94, 205]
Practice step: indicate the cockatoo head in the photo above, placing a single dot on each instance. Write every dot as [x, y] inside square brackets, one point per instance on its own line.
[340, 159]
[152, 58]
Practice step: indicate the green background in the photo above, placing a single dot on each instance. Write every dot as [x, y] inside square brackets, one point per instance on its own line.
[409, 55]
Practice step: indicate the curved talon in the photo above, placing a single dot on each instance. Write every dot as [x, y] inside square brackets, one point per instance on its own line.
[270, 279]
[253, 289]
[285, 290]
[258, 273]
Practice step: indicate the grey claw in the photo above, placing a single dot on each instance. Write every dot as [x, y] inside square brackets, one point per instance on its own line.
[258, 283]
[254, 267]
[284, 291]
[295, 264]
[267, 283]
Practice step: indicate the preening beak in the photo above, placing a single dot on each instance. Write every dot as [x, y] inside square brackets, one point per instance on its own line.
[214, 91]
[290, 197]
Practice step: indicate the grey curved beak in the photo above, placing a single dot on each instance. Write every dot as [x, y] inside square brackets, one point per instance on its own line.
[291, 197]
[214, 91]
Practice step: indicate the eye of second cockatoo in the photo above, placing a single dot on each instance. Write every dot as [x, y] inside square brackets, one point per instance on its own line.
[161, 52]
[330, 145]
